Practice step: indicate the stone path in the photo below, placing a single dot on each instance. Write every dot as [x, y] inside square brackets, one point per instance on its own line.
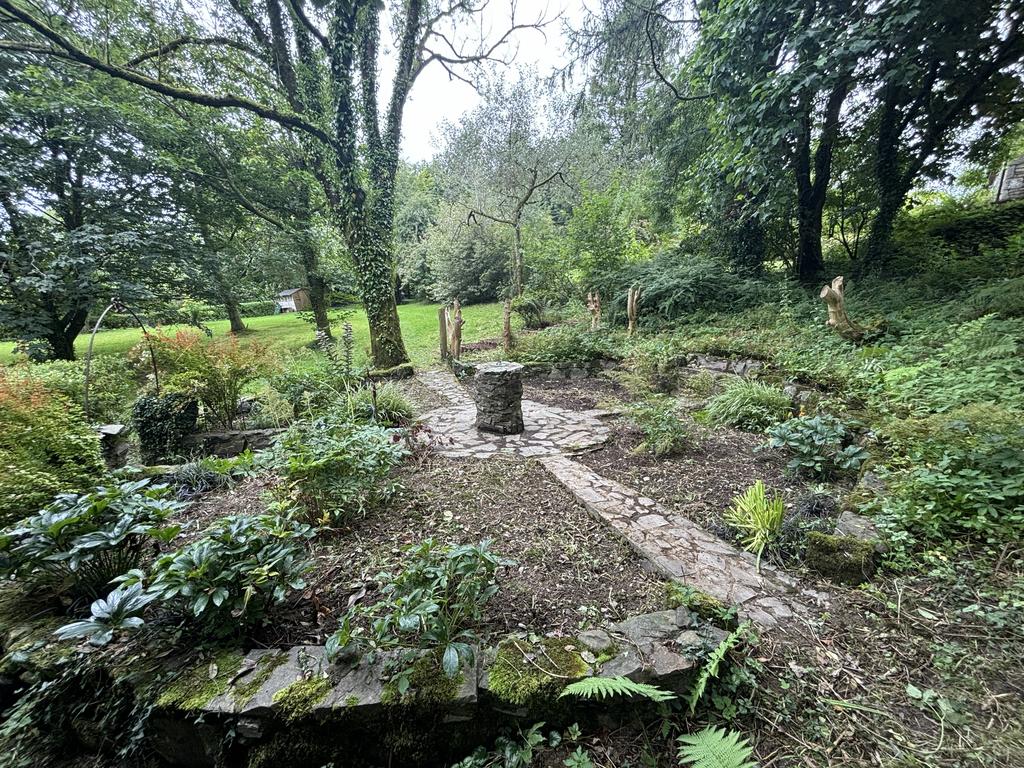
[681, 549]
[675, 545]
[549, 430]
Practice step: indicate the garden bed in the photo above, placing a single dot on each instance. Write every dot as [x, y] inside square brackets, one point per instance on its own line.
[570, 571]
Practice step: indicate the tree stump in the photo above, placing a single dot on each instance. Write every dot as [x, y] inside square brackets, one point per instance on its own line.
[633, 307]
[833, 296]
[594, 305]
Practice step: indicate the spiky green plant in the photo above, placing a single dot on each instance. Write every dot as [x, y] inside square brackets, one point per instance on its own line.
[715, 748]
[756, 518]
[606, 687]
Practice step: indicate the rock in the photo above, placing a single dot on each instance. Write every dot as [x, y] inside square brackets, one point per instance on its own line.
[114, 445]
[597, 640]
[858, 527]
[230, 442]
[649, 628]
[498, 395]
[843, 559]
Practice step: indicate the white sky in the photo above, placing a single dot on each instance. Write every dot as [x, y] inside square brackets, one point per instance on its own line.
[436, 98]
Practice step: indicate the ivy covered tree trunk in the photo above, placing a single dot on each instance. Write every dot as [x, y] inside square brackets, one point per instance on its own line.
[375, 263]
[889, 182]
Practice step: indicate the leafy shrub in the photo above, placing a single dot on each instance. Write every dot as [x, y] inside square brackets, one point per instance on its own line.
[162, 422]
[231, 576]
[119, 610]
[664, 432]
[214, 371]
[749, 405]
[80, 543]
[816, 443]
[433, 603]
[676, 284]
[335, 468]
[756, 518]
[112, 384]
[536, 311]
[45, 447]
[1004, 298]
[564, 343]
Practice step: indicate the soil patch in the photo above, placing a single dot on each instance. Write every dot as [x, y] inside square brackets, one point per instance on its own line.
[569, 570]
[576, 394]
[702, 481]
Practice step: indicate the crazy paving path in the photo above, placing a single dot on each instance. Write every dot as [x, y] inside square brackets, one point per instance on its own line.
[675, 545]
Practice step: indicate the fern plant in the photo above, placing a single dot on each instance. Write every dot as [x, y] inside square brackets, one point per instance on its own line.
[713, 662]
[756, 518]
[606, 687]
[715, 748]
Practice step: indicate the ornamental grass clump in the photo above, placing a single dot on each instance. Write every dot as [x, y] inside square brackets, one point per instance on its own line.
[749, 405]
[80, 543]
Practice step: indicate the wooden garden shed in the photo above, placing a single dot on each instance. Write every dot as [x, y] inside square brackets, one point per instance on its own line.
[294, 300]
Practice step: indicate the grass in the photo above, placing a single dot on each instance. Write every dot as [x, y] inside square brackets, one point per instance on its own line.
[290, 332]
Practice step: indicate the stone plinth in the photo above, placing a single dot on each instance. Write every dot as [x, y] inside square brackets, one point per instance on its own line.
[499, 397]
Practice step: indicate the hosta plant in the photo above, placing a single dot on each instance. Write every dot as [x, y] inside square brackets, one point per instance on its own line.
[119, 611]
[817, 445]
[81, 542]
[240, 567]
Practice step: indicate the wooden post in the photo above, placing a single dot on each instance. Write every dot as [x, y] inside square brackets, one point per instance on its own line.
[594, 305]
[442, 327]
[455, 323]
[633, 307]
[834, 298]
[506, 327]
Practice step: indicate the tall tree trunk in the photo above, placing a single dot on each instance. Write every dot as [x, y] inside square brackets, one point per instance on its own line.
[809, 263]
[317, 286]
[63, 332]
[889, 182]
[234, 315]
[376, 267]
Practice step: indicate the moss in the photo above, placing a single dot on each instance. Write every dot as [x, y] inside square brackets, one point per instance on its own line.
[299, 698]
[256, 679]
[709, 608]
[402, 371]
[196, 688]
[843, 559]
[524, 673]
[428, 684]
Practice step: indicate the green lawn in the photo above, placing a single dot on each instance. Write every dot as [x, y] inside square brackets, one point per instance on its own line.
[419, 328]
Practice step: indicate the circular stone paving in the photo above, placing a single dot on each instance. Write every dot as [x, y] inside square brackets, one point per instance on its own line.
[548, 429]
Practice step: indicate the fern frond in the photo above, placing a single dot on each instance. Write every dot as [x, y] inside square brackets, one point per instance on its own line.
[714, 660]
[715, 748]
[605, 687]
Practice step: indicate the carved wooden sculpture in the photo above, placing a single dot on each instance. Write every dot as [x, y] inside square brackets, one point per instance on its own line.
[594, 305]
[833, 297]
[633, 307]
[455, 323]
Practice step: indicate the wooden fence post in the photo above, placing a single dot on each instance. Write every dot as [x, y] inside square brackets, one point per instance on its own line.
[506, 326]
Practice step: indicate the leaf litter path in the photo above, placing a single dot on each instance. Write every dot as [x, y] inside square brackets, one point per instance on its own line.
[676, 546]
